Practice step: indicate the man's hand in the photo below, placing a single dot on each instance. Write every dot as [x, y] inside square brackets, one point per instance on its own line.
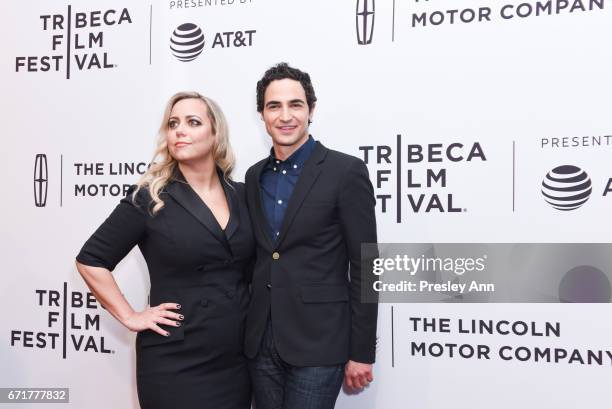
[357, 375]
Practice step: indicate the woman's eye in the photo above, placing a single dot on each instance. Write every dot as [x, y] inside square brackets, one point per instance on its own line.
[194, 122]
[172, 124]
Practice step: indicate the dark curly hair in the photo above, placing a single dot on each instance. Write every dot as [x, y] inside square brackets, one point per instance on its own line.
[281, 71]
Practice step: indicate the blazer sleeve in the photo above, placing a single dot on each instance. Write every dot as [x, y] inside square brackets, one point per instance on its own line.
[119, 233]
[358, 219]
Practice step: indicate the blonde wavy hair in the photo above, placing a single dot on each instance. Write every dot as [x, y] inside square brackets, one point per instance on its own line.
[163, 165]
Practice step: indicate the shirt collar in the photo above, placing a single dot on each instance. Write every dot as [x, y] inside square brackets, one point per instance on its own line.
[297, 158]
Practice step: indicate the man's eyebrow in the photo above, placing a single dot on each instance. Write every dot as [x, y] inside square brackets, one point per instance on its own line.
[293, 101]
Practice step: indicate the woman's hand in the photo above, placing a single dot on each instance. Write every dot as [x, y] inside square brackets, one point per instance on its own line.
[149, 318]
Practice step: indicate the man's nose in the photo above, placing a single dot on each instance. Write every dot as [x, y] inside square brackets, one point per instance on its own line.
[285, 114]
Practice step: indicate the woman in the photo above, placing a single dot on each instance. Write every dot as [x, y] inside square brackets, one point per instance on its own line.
[192, 226]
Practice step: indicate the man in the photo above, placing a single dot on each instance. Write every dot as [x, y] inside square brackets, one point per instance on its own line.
[311, 208]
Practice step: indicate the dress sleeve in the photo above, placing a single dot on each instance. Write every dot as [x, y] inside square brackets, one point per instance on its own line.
[120, 232]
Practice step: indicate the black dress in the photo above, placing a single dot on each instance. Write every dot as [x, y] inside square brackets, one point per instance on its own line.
[192, 262]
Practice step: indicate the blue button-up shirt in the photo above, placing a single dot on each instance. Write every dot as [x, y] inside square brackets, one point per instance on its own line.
[278, 179]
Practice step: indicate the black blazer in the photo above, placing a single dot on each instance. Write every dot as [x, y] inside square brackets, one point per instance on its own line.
[309, 280]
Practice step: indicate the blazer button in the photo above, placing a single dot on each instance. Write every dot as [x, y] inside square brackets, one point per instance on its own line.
[204, 303]
[275, 255]
[200, 268]
[268, 286]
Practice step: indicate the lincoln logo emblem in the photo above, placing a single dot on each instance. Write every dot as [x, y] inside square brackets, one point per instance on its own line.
[365, 21]
[40, 180]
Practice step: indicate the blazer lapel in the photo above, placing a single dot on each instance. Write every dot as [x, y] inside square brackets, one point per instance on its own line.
[259, 218]
[185, 196]
[307, 178]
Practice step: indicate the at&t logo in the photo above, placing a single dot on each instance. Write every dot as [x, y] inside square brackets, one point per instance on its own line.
[566, 187]
[188, 40]
[569, 187]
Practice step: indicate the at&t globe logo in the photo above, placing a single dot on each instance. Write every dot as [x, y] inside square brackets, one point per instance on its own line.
[566, 187]
[187, 42]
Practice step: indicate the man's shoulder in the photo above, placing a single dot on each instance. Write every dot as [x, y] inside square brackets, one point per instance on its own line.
[341, 160]
[254, 167]
[342, 157]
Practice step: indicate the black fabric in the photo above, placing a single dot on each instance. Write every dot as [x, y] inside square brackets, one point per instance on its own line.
[312, 290]
[193, 262]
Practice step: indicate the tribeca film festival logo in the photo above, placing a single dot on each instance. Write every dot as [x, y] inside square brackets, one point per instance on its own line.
[567, 187]
[76, 41]
[418, 187]
[91, 179]
[365, 21]
[72, 324]
[188, 40]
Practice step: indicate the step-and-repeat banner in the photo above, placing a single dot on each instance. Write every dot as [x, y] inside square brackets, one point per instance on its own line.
[480, 121]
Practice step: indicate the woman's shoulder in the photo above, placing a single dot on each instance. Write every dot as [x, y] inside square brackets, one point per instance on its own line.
[138, 196]
[237, 186]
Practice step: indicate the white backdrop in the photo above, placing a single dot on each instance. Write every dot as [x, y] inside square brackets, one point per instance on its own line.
[512, 85]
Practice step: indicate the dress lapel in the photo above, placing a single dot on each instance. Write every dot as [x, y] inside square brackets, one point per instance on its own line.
[185, 196]
[234, 207]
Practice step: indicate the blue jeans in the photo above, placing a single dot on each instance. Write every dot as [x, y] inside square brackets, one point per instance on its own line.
[279, 385]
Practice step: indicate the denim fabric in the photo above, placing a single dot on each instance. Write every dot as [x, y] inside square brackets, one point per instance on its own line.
[279, 385]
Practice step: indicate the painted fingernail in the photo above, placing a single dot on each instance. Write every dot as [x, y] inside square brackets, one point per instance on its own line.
[167, 334]
[181, 317]
[178, 324]
[178, 306]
